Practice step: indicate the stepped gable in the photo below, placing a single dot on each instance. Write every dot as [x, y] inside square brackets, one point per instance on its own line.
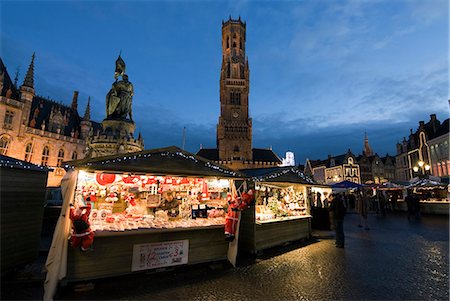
[54, 115]
[7, 83]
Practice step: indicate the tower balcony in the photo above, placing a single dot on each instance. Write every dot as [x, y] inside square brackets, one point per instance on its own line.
[236, 82]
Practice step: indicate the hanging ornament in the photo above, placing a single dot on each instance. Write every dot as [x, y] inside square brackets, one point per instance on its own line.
[105, 178]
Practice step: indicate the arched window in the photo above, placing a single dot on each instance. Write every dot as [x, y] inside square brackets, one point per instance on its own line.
[228, 42]
[45, 156]
[74, 156]
[4, 144]
[234, 41]
[236, 149]
[60, 157]
[28, 152]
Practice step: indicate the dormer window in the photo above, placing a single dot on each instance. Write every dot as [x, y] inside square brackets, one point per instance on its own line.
[350, 160]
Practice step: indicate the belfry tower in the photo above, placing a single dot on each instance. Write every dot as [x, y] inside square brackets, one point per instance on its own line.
[234, 130]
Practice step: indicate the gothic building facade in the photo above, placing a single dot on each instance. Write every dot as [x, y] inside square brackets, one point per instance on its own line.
[428, 144]
[334, 169]
[40, 130]
[45, 132]
[234, 129]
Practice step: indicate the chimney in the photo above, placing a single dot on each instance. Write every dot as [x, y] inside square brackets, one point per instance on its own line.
[75, 101]
[433, 117]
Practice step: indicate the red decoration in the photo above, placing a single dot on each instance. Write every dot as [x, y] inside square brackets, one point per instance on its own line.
[105, 178]
[131, 179]
[82, 235]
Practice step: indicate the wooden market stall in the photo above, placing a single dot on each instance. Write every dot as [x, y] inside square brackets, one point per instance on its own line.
[22, 196]
[152, 209]
[282, 209]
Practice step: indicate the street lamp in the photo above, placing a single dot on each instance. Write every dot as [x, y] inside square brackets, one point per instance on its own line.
[424, 168]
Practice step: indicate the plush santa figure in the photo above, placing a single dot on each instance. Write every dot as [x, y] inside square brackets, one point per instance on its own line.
[235, 205]
[82, 235]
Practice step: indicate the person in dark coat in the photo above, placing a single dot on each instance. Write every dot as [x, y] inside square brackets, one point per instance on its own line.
[338, 212]
[410, 203]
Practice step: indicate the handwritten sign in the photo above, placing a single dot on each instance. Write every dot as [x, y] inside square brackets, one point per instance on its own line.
[162, 254]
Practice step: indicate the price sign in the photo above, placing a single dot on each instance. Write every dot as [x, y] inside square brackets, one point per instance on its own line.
[156, 255]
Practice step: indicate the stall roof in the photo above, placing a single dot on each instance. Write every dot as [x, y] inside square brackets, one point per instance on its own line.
[288, 174]
[161, 161]
[9, 162]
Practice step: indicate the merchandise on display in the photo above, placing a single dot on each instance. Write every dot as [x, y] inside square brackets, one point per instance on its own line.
[122, 202]
[277, 203]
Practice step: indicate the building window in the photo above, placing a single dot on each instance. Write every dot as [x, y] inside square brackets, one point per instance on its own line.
[28, 152]
[60, 157]
[4, 144]
[45, 156]
[235, 98]
[8, 122]
[74, 156]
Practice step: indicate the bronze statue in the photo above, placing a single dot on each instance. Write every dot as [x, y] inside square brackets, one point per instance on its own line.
[119, 98]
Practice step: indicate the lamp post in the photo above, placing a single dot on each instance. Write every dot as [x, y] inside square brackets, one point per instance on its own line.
[421, 169]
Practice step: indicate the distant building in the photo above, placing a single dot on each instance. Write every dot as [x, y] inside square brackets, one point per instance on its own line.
[334, 169]
[40, 130]
[289, 160]
[375, 169]
[234, 130]
[428, 144]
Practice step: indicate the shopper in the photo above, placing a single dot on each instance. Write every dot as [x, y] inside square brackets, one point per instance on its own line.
[410, 203]
[362, 208]
[338, 212]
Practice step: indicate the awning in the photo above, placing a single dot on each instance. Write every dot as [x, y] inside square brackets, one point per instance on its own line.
[279, 174]
[161, 161]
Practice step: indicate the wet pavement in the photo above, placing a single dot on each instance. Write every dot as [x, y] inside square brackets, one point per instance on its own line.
[396, 259]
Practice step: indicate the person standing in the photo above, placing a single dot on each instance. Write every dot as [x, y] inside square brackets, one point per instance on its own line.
[338, 210]
[410, 203]
[362, 208]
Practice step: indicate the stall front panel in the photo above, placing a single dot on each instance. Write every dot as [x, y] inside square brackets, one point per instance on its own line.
[144, 222]
[281, 214]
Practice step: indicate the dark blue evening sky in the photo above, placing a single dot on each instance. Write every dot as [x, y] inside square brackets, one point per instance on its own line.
[321, 72]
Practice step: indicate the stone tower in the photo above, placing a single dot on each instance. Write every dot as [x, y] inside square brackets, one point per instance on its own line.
[234, 130]
[117, 134]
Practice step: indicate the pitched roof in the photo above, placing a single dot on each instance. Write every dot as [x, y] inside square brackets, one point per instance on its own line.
[289, 174]
[41, 113]
[265, 155]
[161, 161]
[259, 155]
[7, 83]
[442, 130]
[209, 153]
[8, 162]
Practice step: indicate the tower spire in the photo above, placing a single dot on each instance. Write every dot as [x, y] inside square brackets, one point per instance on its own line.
[367, 149]
[87, 113]
[16, 78]
[75, 100]
[29, 77]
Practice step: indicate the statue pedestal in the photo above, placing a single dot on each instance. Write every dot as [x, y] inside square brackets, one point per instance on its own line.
[118, 128]
[116, 137]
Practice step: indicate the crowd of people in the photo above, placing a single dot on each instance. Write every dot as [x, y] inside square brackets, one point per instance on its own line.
[336, 205]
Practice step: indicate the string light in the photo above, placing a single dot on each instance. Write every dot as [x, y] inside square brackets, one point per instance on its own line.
[163, 154]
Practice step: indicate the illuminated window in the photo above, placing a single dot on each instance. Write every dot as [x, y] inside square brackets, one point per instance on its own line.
[350, 160]
[60, 157]
[28, 152]
[74, 156]
[4, 144]
[8, 119]
[45, 156]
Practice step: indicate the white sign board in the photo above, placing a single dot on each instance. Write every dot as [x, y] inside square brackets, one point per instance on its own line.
[161, 254]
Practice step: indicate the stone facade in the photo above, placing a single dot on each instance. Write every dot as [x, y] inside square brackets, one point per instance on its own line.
[334, 169]
[234, 129]
[429, 144]
[37, 129]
